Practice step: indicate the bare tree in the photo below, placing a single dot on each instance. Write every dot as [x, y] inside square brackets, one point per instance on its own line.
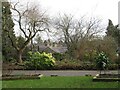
[30, 21]
[74, 32]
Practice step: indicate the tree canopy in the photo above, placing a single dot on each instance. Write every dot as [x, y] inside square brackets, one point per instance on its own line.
[114, 31]
[7, 31]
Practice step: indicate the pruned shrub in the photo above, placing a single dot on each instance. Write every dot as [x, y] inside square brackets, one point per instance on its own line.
[38, 60]
[73, 65]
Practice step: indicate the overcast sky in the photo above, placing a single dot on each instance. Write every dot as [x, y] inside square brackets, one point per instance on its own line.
[102, 9]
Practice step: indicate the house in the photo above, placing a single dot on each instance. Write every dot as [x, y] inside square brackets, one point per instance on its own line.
[49, 49]
[59, 49]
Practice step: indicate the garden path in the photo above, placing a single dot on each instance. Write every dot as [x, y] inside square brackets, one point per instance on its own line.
[60, 72]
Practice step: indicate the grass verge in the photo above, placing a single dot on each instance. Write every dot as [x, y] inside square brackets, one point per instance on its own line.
[59, 82]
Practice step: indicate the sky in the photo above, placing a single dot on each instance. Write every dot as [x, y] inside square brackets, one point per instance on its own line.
[102, 9]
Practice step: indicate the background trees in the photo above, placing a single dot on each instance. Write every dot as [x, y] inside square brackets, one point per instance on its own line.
[76, 32]
[7, 31]
[38, 40]
[114, 31]
[30, 21]
[82, 37]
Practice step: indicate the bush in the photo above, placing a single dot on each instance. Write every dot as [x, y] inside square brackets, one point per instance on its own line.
[102, 61]
[73, 65]
[66, 65]
[40, 61]
[58, 56]
[113, 66]
[89, 55]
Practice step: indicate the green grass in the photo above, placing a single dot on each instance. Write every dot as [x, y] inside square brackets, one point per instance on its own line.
[59, 82]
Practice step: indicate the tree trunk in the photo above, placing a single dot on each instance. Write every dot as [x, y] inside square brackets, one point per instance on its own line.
[20, 56]
[20, 51]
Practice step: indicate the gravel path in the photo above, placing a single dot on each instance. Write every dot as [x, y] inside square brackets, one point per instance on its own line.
[60, 72]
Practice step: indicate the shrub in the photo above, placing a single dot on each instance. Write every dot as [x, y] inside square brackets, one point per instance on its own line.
[102, 61]
[40, 61]
[59, 56]
[89, 55]
[113, 66]
[73, 65]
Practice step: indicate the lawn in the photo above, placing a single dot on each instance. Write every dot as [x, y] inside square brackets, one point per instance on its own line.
[59, 82]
